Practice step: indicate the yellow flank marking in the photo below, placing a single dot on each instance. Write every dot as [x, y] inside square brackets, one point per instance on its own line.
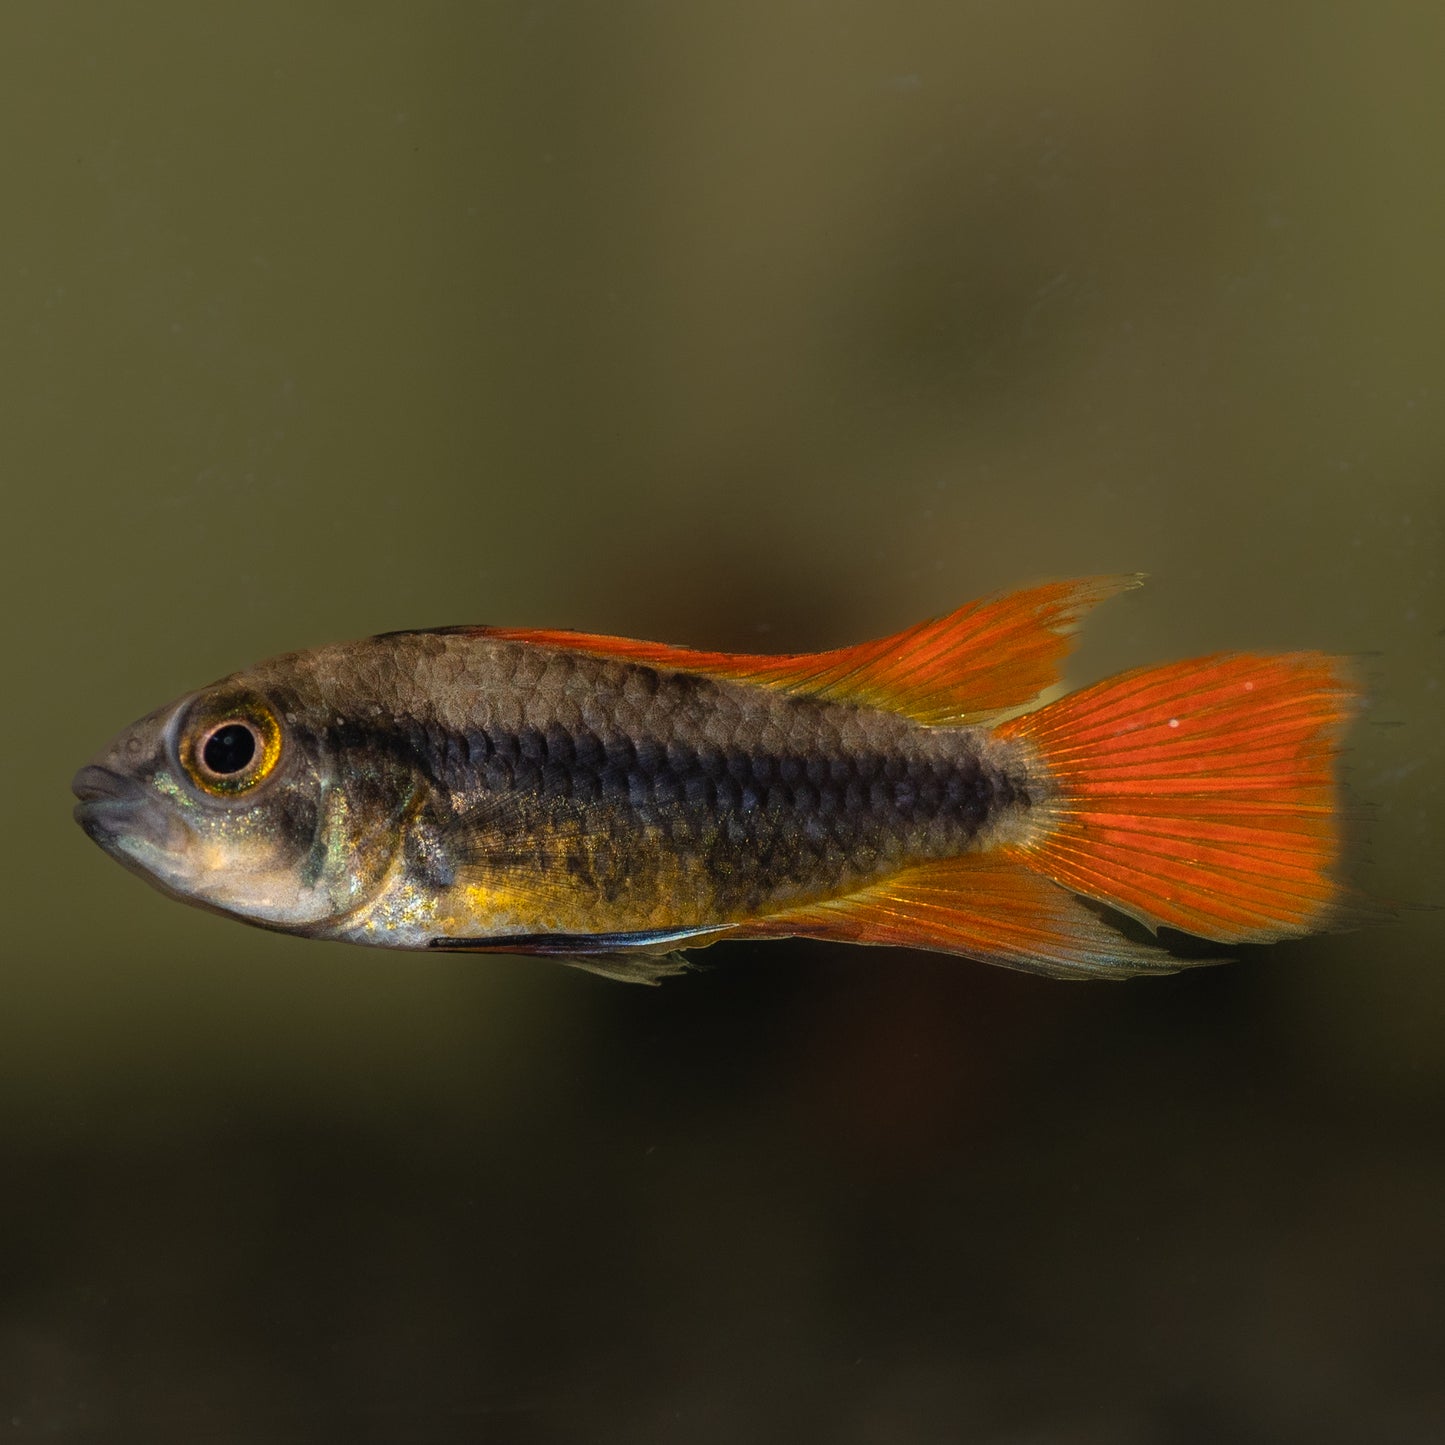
[484, 907]
[481, 901]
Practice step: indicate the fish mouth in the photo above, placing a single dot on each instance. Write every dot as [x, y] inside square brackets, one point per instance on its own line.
[111, 805]
[93, 783]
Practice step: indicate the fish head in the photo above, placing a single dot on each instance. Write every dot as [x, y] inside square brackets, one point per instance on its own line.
[239, 798]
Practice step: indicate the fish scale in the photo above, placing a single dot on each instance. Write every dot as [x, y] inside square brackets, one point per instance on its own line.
[785, 797]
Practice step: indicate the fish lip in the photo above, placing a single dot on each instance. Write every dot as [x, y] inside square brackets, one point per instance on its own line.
[93, 784]
[111, 806]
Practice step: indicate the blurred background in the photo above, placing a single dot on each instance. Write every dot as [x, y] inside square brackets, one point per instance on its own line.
[754, 325]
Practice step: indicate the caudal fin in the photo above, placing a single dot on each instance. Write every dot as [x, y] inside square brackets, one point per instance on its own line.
[1200, 795]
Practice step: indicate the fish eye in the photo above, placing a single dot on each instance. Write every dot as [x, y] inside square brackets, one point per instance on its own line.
[230, 744]
[229, 748]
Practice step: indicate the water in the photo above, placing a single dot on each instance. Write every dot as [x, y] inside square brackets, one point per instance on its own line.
[748, 325]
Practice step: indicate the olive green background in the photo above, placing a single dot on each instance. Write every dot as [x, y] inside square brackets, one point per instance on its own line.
[739, 324]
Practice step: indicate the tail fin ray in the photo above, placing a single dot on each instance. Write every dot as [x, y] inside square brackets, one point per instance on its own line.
[1200, 795]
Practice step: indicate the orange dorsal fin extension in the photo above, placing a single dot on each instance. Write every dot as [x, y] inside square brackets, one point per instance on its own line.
[984, 661]
[981, 906]
[1200, 795]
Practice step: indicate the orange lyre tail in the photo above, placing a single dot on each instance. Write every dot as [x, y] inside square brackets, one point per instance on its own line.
[1199, 795]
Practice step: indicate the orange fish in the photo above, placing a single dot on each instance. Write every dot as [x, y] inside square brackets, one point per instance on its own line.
[608, 802]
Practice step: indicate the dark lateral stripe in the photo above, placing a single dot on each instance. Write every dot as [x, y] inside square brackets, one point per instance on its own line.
[570, 944]
[649, 771]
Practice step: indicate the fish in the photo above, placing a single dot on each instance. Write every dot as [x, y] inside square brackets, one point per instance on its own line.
[618, 805]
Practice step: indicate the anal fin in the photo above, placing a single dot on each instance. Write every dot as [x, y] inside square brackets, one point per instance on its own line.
[982, 907]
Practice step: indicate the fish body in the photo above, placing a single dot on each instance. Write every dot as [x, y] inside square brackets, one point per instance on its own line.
[610, 801]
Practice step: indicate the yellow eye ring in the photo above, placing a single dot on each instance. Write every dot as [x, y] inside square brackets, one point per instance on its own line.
[231, 743]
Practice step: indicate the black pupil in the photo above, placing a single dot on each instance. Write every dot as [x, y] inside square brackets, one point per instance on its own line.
[229, 749]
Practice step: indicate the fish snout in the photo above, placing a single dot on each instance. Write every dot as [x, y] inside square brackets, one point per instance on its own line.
[94, 783]
[112, 806]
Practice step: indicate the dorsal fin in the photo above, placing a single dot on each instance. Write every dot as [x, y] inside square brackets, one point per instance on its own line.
[975, 665]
